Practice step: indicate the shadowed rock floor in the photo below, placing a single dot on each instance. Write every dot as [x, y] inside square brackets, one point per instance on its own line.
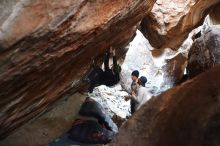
[42, 130]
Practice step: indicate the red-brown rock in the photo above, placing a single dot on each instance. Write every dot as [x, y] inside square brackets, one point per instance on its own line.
[174, 69]
[47, 46]
[170, 21]
[187, 115]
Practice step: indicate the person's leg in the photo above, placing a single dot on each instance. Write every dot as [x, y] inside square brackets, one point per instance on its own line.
[133, 104]
[110, 78]
[106, 61]
[114, 62]
[116, 70]
[114, 59]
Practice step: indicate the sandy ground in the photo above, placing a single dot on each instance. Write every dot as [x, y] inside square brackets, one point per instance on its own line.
[42, 130]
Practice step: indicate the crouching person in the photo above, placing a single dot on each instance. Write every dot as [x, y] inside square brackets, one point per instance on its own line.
[93, 125]
[108, 76]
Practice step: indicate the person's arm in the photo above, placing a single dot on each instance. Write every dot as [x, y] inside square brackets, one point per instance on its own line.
[134, 86]
[132, 97]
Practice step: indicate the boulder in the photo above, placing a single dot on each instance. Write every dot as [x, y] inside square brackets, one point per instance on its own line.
[205, 52]
[46, 48]
[174, 70]
[170, 21]
[186, 115]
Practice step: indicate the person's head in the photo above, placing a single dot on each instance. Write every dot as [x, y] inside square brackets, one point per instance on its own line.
[134, 75]
[142, 81]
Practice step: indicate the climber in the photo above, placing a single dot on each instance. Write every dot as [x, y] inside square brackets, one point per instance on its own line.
[134, 86]
[141, 96]
[108, 77]
[134, 78]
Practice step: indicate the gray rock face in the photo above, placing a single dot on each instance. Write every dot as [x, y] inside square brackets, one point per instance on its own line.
[174, 69]
[205, 52]
[6, 8]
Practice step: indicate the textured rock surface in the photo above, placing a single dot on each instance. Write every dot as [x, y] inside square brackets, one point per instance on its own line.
[205, 51]
[174, 69]
[187, 115]
[47, 46]
[49, 126]
[163, 68]
[112, 100]
[170, 21]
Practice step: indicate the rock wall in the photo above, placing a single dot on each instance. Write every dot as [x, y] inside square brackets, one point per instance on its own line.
[174, 69]
[46, 47]
[170, 21]
[187, 115]
[205, 52]
[163, 68]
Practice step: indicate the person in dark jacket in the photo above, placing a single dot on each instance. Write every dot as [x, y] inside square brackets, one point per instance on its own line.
[134, 87]
[108, 77]
[134, 78]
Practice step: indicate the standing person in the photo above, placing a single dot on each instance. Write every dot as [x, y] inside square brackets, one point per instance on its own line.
[134, 86]
[141, 96]
[134, 78]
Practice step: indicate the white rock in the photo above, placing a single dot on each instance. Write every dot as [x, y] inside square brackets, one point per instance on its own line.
[112, 100]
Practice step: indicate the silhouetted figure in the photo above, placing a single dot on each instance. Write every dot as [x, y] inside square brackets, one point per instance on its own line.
[108, 77]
